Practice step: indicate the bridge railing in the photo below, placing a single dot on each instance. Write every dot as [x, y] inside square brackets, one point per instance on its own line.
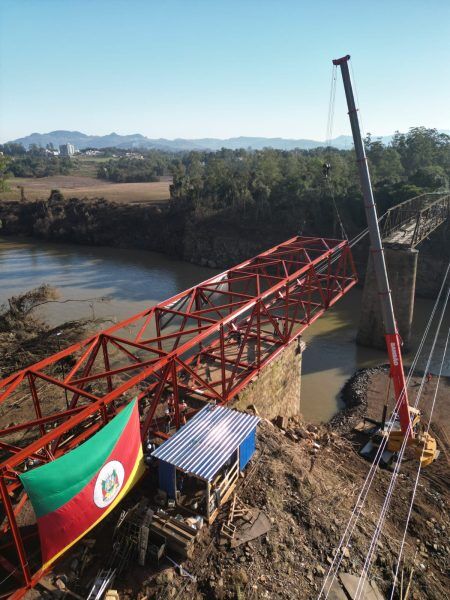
[421, 214]
[430, 218]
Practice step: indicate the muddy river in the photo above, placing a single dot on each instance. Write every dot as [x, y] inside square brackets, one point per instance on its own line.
[116, 283]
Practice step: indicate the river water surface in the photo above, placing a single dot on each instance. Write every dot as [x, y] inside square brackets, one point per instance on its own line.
[132, 280]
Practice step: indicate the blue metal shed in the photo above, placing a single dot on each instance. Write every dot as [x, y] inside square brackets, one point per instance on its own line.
[214, 446]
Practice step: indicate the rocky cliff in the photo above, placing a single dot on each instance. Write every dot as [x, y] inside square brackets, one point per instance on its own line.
[173, 230]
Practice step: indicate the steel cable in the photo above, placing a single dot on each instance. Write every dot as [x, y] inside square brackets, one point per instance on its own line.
[394, 477]
[332, 571]
[419, 469]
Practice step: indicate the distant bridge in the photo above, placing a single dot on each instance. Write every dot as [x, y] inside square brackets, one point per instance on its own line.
[403, 228]
[411, 222]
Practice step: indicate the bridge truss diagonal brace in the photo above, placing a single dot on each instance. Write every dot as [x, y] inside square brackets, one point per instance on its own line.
[409, 223]
[204, 344]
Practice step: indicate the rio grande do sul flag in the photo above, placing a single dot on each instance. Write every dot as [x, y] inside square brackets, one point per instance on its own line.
[71, 494]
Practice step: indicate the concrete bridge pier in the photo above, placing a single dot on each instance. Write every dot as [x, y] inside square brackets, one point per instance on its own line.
[276, 389]
[402, 269]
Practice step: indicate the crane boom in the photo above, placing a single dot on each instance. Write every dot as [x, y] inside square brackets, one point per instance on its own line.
[392, 336]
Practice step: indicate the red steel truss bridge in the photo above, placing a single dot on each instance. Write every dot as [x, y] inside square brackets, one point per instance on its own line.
[204, 344]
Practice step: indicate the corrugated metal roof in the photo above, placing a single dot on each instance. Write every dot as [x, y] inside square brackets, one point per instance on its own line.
[207, 441]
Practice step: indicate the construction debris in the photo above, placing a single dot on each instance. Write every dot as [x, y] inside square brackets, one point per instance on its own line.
[104, 578]
[255, 528]
[181, 570]
[286, 522]
[369, 590]
[179, 536]
[237, 510]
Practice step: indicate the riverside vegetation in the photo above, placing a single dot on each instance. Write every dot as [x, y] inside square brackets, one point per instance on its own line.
[254, 198]
[227, 205]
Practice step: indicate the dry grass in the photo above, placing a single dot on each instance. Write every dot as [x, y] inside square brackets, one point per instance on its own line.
[88, 187]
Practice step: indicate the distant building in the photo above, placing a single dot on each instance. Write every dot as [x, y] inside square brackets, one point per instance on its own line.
[67, 149]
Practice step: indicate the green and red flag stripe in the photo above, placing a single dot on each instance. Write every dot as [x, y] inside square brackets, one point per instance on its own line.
[71, 494]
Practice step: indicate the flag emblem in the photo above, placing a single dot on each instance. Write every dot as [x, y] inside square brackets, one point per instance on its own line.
[109, 483]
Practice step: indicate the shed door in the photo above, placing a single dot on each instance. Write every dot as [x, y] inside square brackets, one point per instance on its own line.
[167, 478]
[247, 449]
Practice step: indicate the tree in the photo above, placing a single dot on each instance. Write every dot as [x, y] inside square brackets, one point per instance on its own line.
[422, 147]
[13, 149]
[432, 177]
[4, 162]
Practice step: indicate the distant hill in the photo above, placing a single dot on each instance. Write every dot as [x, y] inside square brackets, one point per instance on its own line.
[136, 140]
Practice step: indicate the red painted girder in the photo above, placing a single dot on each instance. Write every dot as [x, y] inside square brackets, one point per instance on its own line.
[282, 279]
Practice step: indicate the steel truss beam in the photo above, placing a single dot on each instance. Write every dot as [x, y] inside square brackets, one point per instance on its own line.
[410, 222]
[204, 344]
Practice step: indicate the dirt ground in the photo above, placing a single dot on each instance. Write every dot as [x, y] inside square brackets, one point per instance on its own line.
[441, 413]
[308, 497]
[88, 187]
[305, 480]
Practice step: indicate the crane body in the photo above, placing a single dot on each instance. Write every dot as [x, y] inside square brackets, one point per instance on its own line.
[408, 417]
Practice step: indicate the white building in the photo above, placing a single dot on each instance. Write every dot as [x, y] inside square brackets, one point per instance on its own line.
[67, 149]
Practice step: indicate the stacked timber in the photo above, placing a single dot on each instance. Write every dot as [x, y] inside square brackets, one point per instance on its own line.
[179, 536]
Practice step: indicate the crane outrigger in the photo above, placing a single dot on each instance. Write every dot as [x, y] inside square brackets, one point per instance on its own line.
[407, 423]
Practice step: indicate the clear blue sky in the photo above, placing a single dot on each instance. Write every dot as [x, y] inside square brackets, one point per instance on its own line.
[220, 68]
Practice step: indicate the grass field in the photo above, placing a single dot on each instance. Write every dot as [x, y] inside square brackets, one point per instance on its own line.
[87, 166]
[81, 186]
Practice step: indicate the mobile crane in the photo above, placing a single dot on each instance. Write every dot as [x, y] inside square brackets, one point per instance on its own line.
[407, 424]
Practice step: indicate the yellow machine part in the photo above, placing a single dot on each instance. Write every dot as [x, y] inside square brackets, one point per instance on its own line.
[425, 447]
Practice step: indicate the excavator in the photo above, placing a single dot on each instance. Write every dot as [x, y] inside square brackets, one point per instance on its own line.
[406, 420]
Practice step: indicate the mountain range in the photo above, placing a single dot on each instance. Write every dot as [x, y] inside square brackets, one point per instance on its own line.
[138, 141]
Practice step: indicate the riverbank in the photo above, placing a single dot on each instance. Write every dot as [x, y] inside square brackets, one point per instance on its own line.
[364, 394]
[171, 229]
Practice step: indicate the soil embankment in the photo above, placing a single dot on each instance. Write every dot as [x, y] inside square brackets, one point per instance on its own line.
[95, 222]
[365, 394]
[307, 480]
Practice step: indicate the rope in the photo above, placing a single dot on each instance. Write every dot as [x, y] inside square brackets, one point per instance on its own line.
[419, 469]
[395, 413]
[357, 509]
[331, 105]
[328, 136]
[17, 568]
